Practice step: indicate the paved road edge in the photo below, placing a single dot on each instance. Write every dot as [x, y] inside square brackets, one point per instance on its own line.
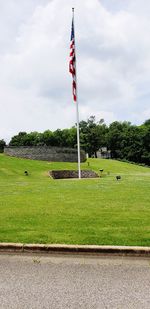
[74, 249]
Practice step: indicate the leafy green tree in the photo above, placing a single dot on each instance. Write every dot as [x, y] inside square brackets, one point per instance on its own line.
[145, 157]
[117, 138]
[93, 135]
[47, 138]
[147, 123]
[2, 145]
[18, 140]
[26, 139]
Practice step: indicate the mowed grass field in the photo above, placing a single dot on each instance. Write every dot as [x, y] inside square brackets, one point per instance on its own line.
[38, 209]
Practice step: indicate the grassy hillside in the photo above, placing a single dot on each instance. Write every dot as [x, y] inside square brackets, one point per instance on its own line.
[38, 209]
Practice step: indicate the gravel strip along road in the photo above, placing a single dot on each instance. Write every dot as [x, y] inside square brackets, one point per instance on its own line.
[73, 282]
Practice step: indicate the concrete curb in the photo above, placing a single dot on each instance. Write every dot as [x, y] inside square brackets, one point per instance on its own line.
[74, 249]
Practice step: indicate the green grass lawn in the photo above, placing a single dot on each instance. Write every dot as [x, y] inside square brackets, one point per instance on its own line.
[38, 209]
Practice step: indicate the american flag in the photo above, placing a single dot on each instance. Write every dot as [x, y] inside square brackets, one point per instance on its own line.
[72, 63]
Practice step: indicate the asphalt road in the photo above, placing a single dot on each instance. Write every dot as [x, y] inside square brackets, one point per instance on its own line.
[74, 282]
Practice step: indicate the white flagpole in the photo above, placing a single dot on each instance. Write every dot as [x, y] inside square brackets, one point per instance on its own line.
[77, 107]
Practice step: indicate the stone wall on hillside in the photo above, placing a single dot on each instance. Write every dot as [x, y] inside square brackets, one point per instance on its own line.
[45, 153]
[64, 174]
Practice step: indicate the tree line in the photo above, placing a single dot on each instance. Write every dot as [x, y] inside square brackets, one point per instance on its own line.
[125, 140]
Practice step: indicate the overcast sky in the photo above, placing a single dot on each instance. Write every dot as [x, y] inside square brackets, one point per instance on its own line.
[113, 63]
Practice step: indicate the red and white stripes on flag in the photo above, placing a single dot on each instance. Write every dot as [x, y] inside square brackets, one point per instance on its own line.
[72, 70]
[72, 63]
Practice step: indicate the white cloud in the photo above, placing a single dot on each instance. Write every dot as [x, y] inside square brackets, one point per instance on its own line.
[113, 62]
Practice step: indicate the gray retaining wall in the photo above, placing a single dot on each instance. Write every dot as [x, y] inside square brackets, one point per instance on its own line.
[45, 153]
[63, 174]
